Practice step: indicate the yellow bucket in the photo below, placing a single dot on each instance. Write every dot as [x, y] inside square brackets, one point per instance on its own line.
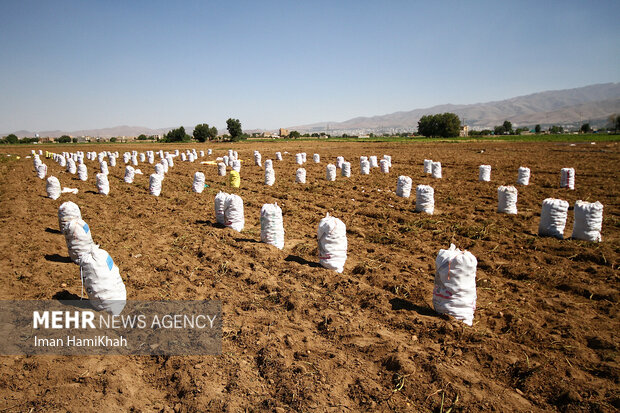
[234, 179]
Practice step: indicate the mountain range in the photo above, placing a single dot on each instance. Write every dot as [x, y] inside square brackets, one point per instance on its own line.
[568, 107]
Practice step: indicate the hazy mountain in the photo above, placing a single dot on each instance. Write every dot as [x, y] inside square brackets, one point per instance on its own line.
[593, 103]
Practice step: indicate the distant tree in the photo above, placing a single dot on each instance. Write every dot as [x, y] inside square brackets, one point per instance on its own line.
[537, 128]
[74, 140]
[519, 131]
[177, 135]
[556, 129]
[234, 128]
[315, 135]
[294, 134]
[499, 130]
[344, 135]
[442, 125]
[112, 139]
[613, 123]
[202, 132]
[12, 138]
[63, 139]
[585, 128]
[142, 137]
[508, 127]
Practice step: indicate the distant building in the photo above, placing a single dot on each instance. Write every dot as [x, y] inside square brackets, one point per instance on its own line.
[464, 132]
[267, 134]
[47, 139]
[284, 132]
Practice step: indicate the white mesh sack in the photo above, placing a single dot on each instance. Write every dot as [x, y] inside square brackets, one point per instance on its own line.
[268, 164]
[53, 187]
[257, 159]
[299, 159]
[455, 284]
[82, 172]
[270, 176]
[184, 157]
[72, 167]
[339, 162]
[151, 158]
[134, 160]
[159, 170]
[67, 212]
[129, 174]
[507, 199]
[155, 184]
[588, 221]
[304, 157]
[142, 157]
[236, 165]
[102, 281]
[126, 157]
[484, 173]
[202, 154]
[199, 182]
[79, 239]
[428, 166]
[403, 186]
[62, 162]
[425, 199]
[567, 178]
[373, 162]
[209, 151]
[553, 218]
[365, 167]
[233, 211]
[300, 176]
[346, 169]
[112, 161]
[389, 159]
[385, 166]
[523, 176]
[170, 161]
[164, 163]
[42, 171]
[219, 203]
[271, 225]
[436, 173]
[103, 167]
[317, 158]
[103, 185]
[332, 238]
[278, 156]
[221, 169]
[330, 172]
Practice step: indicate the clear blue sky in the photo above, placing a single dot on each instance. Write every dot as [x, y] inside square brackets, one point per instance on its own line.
[83, 64]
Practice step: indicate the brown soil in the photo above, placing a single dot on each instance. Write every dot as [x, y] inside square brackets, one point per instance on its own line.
[298, 337]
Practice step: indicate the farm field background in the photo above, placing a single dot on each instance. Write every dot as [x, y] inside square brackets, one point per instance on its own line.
[300, 337]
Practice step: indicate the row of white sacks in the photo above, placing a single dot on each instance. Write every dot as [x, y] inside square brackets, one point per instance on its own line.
[99, 275]
[567, 176]
[588, 216]
[455, 278]
[454, 292]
